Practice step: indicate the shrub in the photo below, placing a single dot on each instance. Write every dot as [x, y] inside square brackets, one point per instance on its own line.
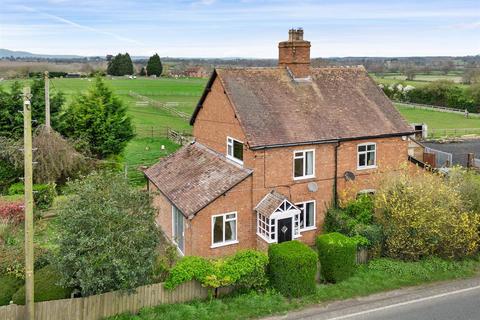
[337, 256]
[292, 268]
[357, 218]
[13, 259]
[424, 215]
[8, 286]
[107, 237]
[43, 194]
[12, 211]
[45, 287]
[467, 183]
[246, 270]
[361, 209]
[187, 269]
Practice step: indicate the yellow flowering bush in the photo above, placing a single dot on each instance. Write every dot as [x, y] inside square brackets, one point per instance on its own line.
[424, 215]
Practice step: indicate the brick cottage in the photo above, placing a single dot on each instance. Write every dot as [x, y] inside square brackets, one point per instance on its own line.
[273, 149]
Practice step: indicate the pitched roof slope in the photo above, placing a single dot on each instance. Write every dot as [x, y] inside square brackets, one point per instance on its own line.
[270, 203]
[338, 103]
[194, 176]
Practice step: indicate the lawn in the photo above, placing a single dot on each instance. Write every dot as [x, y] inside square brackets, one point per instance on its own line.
[375, 277]
[419, 80]
[441, 120]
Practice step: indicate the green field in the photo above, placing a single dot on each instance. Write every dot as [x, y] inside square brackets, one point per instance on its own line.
[150, 121]
[440, 123]
[419, 80]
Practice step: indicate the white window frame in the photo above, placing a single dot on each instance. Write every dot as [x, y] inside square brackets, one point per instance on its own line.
[230, 142]
[173, 230]
[304, 156]
[366, 156]
[229, 242]
[299, 204]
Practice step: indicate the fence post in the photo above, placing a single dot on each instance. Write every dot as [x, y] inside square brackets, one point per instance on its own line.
[470, 160]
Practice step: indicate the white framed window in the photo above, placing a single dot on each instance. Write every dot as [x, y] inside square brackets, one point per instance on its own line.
[303, 164]
[235, 150]
[307, 215]
[224, 229]
[366, 156]
[178, 229]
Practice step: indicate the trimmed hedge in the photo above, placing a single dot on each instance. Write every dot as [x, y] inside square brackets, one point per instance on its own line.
[292, 268]
[45, 288]
[337, 256]
[8, 286]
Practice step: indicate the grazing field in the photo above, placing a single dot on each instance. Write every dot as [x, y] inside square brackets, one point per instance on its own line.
[150, 121]
[419, 80]
[441, 122]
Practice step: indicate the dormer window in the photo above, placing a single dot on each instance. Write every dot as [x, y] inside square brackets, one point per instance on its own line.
[235, 150]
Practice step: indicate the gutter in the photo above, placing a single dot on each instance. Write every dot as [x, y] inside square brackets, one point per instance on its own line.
[292, 144]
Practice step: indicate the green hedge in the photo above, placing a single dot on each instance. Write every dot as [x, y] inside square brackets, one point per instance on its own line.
[292, 268]
[43, 194]
[45, 288]
[8, 286]
[337, 256]
[245, 270]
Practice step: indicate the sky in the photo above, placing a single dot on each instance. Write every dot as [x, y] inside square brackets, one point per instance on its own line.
[244, 28]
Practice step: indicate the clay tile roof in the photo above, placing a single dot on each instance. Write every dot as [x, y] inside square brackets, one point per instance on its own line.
[194, 176]
[270, 203]
[336, 103]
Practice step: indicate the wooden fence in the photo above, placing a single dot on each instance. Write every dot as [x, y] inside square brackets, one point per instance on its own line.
[436, 108]
[107, 304]
[179, 138]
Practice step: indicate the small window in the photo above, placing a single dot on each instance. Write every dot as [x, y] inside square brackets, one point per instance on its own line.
[304, 164]
[367, 156]
[224, 229]
[235, 150]
[307, 215]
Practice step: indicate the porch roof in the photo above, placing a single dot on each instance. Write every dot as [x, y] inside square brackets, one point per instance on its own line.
[271, 202]
[195, 176]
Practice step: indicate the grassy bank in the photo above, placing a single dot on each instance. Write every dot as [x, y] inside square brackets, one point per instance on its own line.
[379, 275]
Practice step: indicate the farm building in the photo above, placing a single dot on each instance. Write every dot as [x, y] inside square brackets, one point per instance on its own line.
[274, 148]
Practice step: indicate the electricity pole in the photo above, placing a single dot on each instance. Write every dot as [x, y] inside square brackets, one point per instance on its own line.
[28, 180]
[47, 102]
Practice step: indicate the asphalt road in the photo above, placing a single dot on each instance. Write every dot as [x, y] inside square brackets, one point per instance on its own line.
[457, 300]
[459, 150]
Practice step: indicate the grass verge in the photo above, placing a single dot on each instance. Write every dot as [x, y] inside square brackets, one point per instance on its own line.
[379, 275]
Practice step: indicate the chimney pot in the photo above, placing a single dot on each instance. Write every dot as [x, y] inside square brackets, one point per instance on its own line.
[295, 53]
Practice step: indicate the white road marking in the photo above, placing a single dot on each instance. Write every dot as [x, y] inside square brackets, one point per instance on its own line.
[405, 303]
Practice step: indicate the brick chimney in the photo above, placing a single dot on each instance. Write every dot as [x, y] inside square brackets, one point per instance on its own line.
[295, 54]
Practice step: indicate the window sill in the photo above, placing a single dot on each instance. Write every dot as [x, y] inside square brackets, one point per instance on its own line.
[237, 161]
[303, 178]
[308, 229]
[265, 239]
[367, 168]
[223, 244]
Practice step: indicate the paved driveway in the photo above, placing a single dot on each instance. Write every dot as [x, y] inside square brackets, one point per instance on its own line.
[459, 150]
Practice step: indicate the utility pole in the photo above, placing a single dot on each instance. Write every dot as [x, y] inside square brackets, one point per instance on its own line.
[28, 180]
[47, 102]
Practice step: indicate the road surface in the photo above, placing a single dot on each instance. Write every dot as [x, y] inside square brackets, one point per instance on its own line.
[457, 300]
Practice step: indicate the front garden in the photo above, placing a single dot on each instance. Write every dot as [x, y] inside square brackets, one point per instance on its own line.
[416, 228]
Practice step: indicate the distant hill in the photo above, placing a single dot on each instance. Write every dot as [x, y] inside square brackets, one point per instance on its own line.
[5, 53]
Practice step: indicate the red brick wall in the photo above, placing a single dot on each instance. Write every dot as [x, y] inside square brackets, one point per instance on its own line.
[216, 120]
[198, 231]
[273, 168]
